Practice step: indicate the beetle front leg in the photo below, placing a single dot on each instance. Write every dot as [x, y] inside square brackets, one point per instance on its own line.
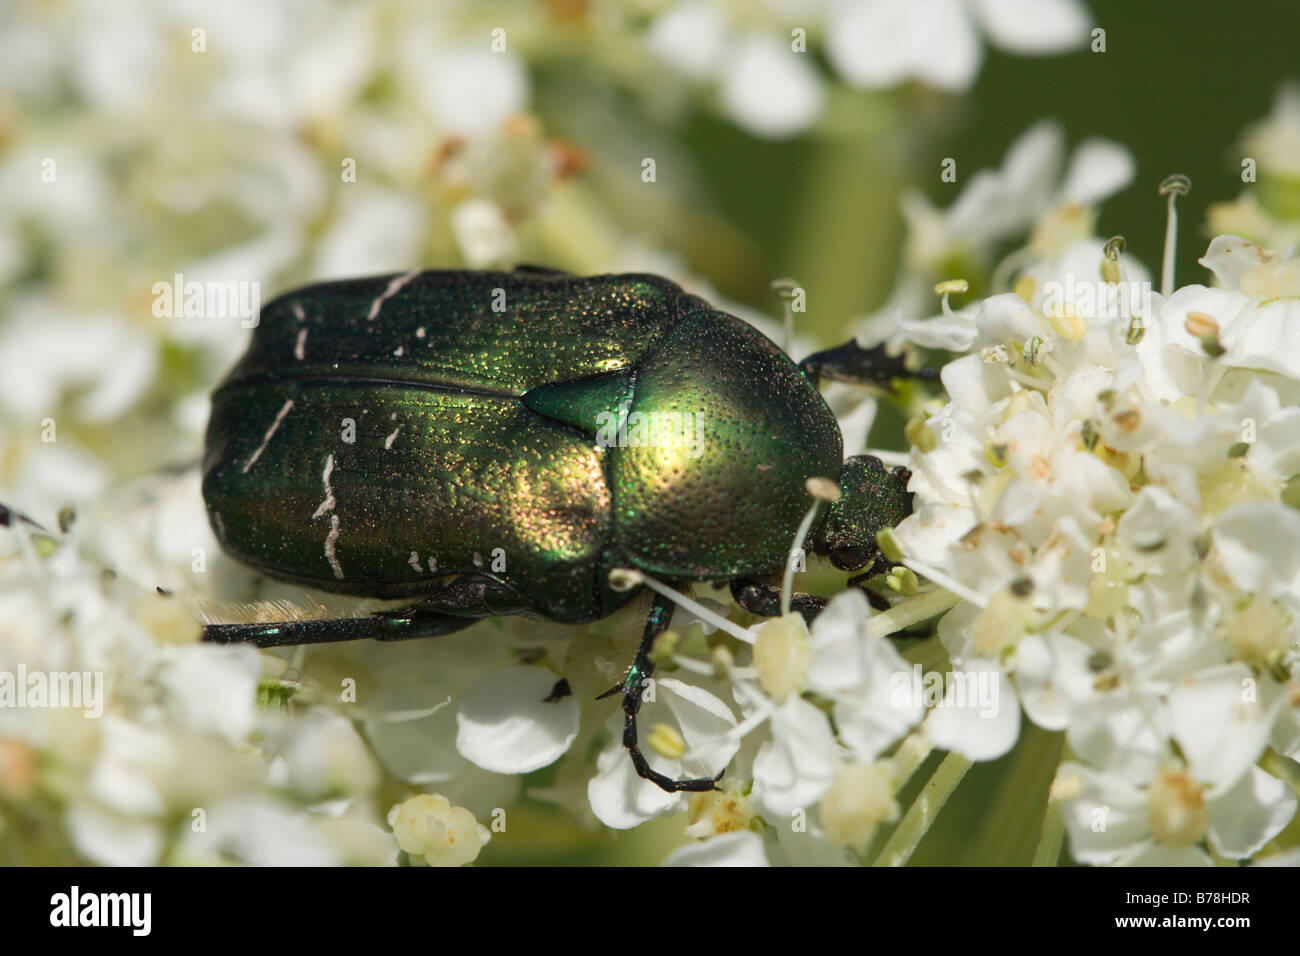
[656, 623]
[850, 362]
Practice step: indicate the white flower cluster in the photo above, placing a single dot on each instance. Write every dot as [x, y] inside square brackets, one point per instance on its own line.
[1106, 493]
[227, 142]
[757, 54]
[1105, 526]
[1105, 509]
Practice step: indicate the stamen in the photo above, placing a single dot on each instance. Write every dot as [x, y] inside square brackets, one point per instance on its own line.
[784, 288]
[1173, 187]
[624, 579]
[946, 289]
[1112, 266]
[822, 489]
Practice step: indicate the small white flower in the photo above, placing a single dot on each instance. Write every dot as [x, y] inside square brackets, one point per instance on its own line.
[883, 42]
[1165, 820]
[428, 826]
[1253, 317]
[1258, 546]
[621, 799]
[769, 89]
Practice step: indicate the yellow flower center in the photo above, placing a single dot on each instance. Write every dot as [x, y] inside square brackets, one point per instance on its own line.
[1176, 810]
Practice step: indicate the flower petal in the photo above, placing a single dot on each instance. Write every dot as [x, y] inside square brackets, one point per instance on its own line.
[1254, 811]
[979, 716]
[1031, 27]
[771, 90]
[796, 767]
[742, 848]
[1105, 816]
[1219, 723]
[877, 43]
[505, 723]
[1098, 169]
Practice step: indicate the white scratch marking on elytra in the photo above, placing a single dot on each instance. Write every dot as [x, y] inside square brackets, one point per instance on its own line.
[419, 333]
[433, 563]
[414, 561]
[298, 313]
[267, 437]
[326, 507]
[298, 352]
[388, 442]
[399, 351]
[394, 286]
[329, 547]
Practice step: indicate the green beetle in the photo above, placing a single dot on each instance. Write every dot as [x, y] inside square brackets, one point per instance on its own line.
[493, 443]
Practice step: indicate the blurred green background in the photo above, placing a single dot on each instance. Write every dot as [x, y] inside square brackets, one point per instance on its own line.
[1176, 84]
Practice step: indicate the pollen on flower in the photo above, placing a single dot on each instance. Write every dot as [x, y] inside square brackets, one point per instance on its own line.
[860, 799]
[782, 653]
[1176, 810]
[718, 811]
[428, 826]
[1201, 324]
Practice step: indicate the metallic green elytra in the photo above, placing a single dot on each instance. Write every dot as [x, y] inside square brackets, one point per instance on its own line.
[490, 443]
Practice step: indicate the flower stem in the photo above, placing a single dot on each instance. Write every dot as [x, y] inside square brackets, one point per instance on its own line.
[925, 808]
[911, 753]
[1048, 851]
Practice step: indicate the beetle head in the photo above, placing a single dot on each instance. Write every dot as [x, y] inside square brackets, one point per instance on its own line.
[871, 498]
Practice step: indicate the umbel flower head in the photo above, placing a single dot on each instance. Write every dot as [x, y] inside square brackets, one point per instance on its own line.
[1105, 543]
[1103, 528]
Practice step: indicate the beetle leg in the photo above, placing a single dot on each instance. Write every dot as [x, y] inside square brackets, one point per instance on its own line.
[661, 613]
[456, 606]
[397, 625]
[850, 362]
[765, 600]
